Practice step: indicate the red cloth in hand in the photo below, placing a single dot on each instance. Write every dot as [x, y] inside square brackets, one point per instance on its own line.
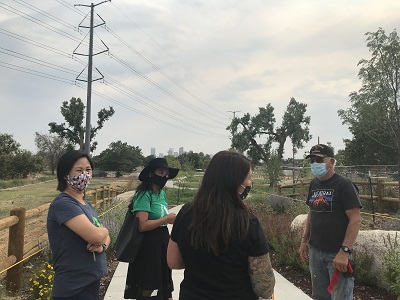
[335, 277]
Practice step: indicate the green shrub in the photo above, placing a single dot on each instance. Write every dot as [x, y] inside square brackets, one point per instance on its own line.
[279, 204]
[391, 262]
[285, 242]
[364, 272]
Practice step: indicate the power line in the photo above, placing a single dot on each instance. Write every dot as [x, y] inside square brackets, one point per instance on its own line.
[59, 52]
[170, 56]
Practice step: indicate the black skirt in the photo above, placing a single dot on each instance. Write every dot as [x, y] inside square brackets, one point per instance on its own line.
[150, 271]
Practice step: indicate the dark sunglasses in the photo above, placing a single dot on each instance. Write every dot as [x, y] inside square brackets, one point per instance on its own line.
[317, 159]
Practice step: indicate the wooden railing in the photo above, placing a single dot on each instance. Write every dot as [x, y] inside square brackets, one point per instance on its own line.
[379, 185]
[18, 250]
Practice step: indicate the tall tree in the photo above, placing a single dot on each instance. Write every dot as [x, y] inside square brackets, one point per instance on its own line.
[374, 115]
[74, 131]
[257, 134]
[50, 147]
[120, 157]
[295, 125]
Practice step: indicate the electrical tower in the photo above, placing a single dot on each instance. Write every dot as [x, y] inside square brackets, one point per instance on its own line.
[234, 112]
[90, 69]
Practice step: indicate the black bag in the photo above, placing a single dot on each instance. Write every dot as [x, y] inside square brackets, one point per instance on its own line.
[129, 238]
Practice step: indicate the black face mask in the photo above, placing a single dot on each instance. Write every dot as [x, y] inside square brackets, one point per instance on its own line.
[158, 180]
[245, 192]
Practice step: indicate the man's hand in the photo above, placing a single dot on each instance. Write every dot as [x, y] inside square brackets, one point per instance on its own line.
[341, 260]
[303, 250]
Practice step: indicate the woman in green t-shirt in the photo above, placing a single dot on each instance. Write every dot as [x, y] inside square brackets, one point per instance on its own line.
[149, 276]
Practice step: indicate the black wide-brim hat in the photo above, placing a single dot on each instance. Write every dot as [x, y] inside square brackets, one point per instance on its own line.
[157, 163]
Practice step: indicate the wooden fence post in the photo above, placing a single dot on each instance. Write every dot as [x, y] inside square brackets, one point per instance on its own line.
[302, 188]
[380, 190]
[103, 194]
[16, 248]
[94, 198]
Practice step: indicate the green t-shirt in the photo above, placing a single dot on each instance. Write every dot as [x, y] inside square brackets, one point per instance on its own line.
[158, 207]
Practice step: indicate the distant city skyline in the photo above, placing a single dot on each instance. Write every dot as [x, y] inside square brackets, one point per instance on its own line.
[170, 152]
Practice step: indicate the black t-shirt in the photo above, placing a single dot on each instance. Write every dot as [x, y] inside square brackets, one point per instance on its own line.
[217, 277]
[328, 201]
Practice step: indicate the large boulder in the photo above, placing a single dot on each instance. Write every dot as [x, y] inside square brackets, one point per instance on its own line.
[375, 243]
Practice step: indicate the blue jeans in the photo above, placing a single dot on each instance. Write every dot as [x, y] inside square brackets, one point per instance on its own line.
[321, 268]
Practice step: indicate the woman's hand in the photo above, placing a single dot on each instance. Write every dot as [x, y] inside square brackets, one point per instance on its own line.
[95, 248]
[171, 218]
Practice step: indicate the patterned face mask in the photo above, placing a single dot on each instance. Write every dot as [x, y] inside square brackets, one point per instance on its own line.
[79, 182]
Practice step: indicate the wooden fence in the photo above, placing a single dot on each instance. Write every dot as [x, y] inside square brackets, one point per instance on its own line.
[379, 196]
[18, 250]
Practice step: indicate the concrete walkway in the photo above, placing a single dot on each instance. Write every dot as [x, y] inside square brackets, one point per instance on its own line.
[284, 290]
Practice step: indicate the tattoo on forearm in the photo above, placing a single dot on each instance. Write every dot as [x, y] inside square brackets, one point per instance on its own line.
[261, 275]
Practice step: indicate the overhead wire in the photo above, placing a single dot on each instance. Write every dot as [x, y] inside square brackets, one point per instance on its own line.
[69, 81]
[47, 26]
[170, 56]
[162, 89]
[157, 68]
[136, 72]
[138, 96]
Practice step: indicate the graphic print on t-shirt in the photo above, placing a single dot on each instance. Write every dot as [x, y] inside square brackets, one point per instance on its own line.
[321, 200]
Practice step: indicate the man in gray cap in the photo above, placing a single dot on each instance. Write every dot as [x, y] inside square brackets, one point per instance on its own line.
[332, 227]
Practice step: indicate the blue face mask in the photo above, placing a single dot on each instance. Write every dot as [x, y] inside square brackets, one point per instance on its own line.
[319, 169]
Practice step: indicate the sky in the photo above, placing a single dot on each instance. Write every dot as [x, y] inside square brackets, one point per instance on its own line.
[176, 72]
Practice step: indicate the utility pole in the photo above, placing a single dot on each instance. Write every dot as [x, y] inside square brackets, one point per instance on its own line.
[90, 71]
[234, 112]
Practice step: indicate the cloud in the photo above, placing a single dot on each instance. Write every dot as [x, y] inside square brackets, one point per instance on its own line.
[194, 60]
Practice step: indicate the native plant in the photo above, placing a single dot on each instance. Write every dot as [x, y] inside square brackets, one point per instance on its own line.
[41, 282]
[391, 262]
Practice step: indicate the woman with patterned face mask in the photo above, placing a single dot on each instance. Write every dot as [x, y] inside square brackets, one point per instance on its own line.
[77, 239]
[149, 276]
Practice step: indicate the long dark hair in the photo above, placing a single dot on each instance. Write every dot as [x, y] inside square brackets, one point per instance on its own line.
[218, 211]
[145, 185]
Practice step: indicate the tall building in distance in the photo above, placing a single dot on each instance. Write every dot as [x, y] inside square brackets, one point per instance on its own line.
[153, 151]
[171, 151]
[181, 151]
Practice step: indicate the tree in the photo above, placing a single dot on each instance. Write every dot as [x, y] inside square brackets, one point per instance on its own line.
[374, 115]
[248, 132]
[74, 131]
[295, 125]
[120, 157]
[7, 144]
[14, 162]
[273, 170]
[192, 160]
[50, 147]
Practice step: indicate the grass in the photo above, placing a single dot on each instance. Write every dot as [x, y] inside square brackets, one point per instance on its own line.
[28, 196]
[33, 195]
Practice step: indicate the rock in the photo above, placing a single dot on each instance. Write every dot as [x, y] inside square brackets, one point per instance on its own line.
[376, 243]
[299, 222]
